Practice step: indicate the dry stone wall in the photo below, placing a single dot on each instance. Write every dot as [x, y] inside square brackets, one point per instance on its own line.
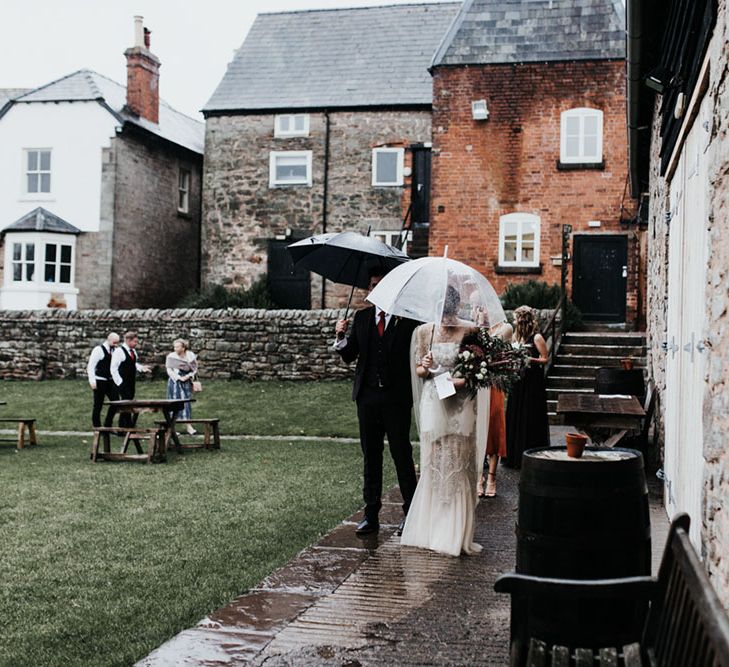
[231, 344]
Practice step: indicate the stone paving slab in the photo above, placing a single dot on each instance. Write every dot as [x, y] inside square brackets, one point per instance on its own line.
[349, 602]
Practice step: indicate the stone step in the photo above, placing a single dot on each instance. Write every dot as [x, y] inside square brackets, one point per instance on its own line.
[570, 382]
[604, 338]
[594, 361]
[555, 419]
[553, 393]
[563, 370]
[615, 351]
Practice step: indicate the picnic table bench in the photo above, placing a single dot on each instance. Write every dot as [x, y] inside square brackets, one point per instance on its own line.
[211, 432]
[605, 418]
[24, 423]
[684, 624]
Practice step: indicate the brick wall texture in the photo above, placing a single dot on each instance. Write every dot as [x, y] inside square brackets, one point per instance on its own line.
[715, 413]
[242, 212]
[507, 164]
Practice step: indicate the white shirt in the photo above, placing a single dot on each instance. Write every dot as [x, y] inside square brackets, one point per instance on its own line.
[116, 360]
[342, 342]
[97, 354]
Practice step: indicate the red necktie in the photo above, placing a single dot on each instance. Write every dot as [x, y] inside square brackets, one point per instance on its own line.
[381, 324]
[133, 355]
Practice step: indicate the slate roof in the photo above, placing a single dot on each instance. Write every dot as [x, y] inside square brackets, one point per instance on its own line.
[358, 57]
[517, 31]
[7, 94]
[87, 85]
[42, 220]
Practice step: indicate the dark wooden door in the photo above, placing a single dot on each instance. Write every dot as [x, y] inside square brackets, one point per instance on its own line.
[420, 196]
[600, 276]
[289, 286]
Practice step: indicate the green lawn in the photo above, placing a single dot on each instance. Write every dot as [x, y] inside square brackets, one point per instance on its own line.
[264, 408]
[102, 563]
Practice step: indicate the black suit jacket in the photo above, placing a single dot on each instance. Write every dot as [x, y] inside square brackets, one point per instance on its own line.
[397, 347]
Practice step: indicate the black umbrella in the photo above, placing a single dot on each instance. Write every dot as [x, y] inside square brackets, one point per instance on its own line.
[345, 257]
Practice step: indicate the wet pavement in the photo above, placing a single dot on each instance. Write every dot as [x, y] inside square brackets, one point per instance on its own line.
[348, 601]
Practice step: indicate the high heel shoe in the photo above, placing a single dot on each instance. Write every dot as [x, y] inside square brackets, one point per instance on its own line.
[479, 487]
[490, 486]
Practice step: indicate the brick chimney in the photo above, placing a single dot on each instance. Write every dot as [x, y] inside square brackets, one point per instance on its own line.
[142, 75]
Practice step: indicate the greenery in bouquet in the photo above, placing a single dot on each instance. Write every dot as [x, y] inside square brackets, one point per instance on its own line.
[489, 361]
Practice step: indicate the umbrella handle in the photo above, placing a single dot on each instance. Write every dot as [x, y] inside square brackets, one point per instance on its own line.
[432, 334]
[349, 303]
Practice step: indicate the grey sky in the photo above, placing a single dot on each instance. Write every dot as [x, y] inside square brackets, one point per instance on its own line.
[42, 40]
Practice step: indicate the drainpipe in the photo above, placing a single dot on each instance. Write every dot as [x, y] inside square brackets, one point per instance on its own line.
[325, 195]
[634, 36]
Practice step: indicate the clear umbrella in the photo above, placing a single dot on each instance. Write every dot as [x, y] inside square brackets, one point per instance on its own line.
[423, 288]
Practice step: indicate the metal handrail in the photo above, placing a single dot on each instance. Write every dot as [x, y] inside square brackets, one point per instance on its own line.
[552, 333]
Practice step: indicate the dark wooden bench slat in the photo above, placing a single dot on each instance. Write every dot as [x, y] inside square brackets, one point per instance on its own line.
[17, 419]
[608, 657]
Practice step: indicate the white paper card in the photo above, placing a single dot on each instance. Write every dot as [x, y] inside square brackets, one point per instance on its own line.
[444, 386]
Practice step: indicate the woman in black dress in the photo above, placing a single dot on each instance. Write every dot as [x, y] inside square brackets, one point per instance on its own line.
[527, 424]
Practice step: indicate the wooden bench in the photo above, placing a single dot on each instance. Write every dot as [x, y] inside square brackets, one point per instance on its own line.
[685, 622]
[211, 433]
[23, 424]
[156, 449]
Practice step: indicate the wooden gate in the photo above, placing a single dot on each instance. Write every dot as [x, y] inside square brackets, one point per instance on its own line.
[685, 354]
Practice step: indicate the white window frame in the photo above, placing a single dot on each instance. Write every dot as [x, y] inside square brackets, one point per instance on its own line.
[390, 236]
[27, 172]
[582, 158]
[520, 220]
[40, 240]
[58, 263]
[280, 133]
[183, 190]
[10, 260]
[274, 155]
[400, 152]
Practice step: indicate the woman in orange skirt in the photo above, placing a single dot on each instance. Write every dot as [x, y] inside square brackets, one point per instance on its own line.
[496, 443]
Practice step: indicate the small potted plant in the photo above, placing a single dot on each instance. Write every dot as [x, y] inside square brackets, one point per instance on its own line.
[627, 363]
[575, 444]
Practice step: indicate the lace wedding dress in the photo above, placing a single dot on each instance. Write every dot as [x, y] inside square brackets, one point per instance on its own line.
[452, 447]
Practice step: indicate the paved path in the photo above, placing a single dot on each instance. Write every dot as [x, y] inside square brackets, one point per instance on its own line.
[350, 602]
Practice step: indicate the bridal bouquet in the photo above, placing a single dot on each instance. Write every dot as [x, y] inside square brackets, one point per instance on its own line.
[488, 361]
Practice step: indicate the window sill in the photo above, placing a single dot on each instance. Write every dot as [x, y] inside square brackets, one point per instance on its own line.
[387, 185]
[517, 270]
[184, 214]
[280, 186]
[578, 166]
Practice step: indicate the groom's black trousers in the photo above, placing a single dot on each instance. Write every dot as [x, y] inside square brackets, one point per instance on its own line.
[383, 413]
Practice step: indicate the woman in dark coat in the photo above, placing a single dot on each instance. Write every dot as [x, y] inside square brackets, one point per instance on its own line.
[527, 424]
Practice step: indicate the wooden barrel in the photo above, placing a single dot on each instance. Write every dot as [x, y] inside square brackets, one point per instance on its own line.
[585, 518]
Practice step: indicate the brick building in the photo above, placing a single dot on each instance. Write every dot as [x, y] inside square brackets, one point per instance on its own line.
[529, 134]
[99, 192]
[322, 122]
[679, 169]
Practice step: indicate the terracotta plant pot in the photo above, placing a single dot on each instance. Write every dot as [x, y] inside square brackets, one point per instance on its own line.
[575, 444]
[627, 364]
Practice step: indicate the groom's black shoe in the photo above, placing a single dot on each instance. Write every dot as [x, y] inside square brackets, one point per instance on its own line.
[400, 528]
[366, 527]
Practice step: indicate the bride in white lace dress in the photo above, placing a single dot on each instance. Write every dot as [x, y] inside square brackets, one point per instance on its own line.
[453, 435]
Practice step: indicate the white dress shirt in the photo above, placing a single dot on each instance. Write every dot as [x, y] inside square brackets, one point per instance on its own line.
[116, 360]
[97, 354]
[341, 343]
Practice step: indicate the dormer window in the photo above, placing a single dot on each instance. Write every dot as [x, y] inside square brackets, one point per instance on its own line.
[581, 136]
[291, 125]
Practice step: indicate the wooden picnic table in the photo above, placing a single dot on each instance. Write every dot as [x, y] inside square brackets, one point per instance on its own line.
[168, 407]
[605, 418]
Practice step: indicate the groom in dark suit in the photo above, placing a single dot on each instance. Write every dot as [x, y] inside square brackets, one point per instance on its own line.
[380, 343]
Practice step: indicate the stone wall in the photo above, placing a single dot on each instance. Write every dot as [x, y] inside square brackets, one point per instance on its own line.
[715, 414]
[242, 213]
[507, 164]
[231, 344]
[715, 533]
[156, 250]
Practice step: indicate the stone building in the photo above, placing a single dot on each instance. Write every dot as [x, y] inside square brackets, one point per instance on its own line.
[321, 123]
[679, 170]
[100, 192]
[529, 134]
